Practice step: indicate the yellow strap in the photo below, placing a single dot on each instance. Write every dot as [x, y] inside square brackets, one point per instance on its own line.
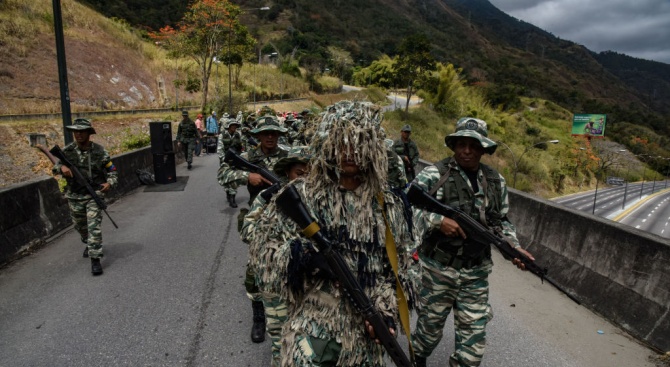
[392, 252]
[310, 230]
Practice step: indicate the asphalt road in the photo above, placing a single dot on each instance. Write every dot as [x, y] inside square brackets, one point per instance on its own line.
[172, 295]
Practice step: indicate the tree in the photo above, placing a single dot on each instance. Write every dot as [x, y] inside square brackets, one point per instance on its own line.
[414, 63]
[204, 30]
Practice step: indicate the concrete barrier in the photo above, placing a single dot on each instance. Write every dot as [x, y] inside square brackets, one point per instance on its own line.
[35, 210]
[615, 270]
[31, 212]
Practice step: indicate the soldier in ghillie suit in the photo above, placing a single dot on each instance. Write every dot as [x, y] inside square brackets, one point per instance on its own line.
[293, 166]
[229, 138]
[454, 275]
[187, 136]
[346, 192]
[95, 164]
[265, 155]
[407, 150]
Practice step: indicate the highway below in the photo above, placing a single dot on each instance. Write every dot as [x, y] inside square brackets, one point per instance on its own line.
[645, 206]
[172, 294]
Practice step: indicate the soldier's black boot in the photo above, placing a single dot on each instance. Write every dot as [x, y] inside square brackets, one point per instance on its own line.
[419, 361]
[96, 267]
[258, 328]
[231, 200]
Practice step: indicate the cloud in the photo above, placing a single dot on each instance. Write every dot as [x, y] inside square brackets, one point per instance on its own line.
[639, 28]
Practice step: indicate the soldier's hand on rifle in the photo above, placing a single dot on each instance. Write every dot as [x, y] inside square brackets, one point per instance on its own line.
[256, 179]
[450, 228]
[105, 187]
[405, 158]
[66, 172]
[371, 332]
[519, 264]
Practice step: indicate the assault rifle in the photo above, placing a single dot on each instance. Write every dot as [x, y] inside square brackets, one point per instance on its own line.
[477, 233]
[234, 160]
[57, 152]
[290, 203]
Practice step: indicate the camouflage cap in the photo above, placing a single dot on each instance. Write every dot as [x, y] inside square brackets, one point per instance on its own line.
[268, 123]
[406, 128]
[232, 122]
[297, 154]
[184, 113]
[81, 125]
[471, 127]
[290, 117]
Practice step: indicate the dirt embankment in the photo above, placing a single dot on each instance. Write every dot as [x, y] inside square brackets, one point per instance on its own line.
[19, 162]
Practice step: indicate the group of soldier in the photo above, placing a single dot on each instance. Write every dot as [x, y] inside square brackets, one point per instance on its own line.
[351, 180]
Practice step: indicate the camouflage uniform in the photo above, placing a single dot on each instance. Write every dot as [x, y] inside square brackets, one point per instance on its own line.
[96, 165]
[294, 126]
[454, 276]
[187, 135]
[410, 150]
[396, 171]
[232, 177]
[227, 141]
[323, 328]
[275, 307]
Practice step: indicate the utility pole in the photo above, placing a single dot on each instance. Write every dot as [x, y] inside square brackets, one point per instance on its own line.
[62, 72]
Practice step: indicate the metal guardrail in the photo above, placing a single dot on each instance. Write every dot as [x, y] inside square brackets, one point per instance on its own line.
[83, 114]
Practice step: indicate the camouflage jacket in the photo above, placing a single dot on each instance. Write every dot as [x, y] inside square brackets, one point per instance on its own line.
[316, 306]
[227, 141]
[409, 149]
[95, 164]
[396, 172]
[232, 177]
[494, 201]
[187, 130]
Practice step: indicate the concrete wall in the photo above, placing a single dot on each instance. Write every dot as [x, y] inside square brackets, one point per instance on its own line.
[35, 210]
[615, 270]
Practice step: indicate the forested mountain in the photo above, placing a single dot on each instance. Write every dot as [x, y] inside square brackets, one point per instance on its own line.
[495, 51]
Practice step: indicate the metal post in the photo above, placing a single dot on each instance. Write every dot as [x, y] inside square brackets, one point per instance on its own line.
[62, 72]
[595, 197]
[643, 174]
[230, 72]
[625, 191]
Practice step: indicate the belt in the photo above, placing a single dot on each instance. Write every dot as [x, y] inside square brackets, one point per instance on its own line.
[453, 260]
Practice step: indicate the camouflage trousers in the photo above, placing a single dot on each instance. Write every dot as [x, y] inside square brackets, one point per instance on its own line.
[188, 146]
[466, 291]
[87, 217]
[230, 189]
[253, 292]
[275, 316]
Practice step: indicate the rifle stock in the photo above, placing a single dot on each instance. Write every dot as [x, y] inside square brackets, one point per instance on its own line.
[57, 152]
[234, 160]
[477, 232]
[290, 203]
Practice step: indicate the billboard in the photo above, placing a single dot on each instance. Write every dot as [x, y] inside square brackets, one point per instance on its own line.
[591, 125]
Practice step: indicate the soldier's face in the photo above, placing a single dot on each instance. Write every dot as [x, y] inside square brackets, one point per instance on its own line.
[297, 170]
[232, 129]
[468, 152]
[404, 135]
[81, 136]
[268, 139]
[348, 166]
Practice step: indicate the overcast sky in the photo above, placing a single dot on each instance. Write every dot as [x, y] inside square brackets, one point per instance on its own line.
[638, 28]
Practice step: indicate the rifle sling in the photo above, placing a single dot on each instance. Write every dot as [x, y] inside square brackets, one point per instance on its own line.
[403, 307]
